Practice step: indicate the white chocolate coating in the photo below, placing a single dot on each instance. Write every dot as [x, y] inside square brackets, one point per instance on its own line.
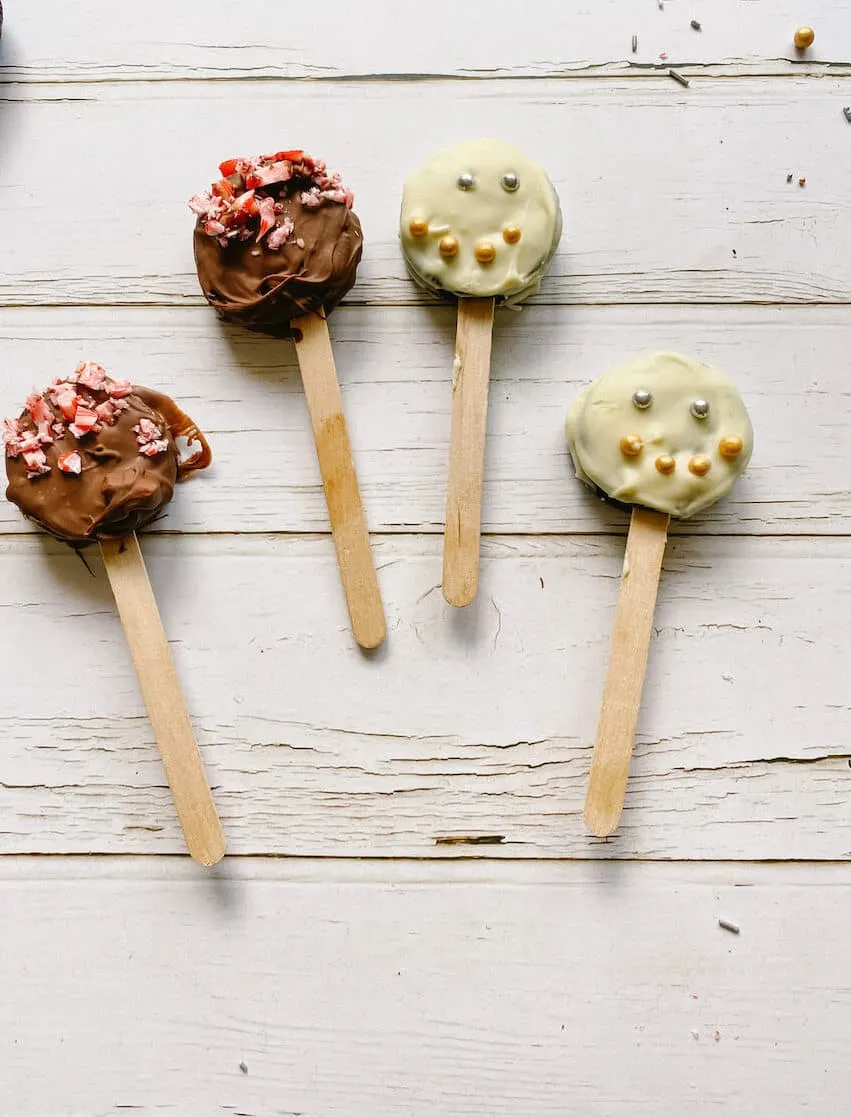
[605, 414]
[480, 215]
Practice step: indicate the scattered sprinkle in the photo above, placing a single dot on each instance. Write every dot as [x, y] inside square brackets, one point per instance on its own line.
[717, 1037]
[802, 182]
[728, 926]
[243, 1068]
[635, 46]
[695, 25]
[678, 77]
[846, 112]
[663, 54]
[695, 1034]
[789, 177]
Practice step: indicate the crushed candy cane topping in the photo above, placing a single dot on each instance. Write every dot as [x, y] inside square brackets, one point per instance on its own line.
[235, 207]
[80, 404]
[150, 438]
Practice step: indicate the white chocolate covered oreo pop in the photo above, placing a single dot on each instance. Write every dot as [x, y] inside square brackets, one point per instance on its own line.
[664, 431]
[480, 219]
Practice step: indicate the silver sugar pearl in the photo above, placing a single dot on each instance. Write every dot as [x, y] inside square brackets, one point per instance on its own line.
[700, 408]
[510, 181]
[642, 398]
[466, 181]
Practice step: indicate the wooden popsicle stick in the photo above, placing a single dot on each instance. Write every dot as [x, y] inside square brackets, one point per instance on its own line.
[645, 548]
[345, 510]
[462, 533]
[149, 648]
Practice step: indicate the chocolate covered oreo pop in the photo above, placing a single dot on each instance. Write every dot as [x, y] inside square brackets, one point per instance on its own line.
[92, 458]
[276, 247]
[275, 238]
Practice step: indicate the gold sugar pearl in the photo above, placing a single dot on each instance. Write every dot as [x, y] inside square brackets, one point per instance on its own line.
[448, 247]
[665, 463]
[485, 252]
[631, 445]
[511, 234]
[731, 447]
[699, 465]
[804, 37]
[418, 227]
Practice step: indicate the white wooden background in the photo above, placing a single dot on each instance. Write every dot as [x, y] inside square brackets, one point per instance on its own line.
[411, 920]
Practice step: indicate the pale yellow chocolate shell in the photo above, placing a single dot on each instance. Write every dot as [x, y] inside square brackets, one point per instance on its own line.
[497, 242]
[605, 429]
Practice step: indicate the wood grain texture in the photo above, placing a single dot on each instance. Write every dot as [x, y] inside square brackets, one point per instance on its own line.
[461, 990]
[742, 746]
[670, 195]
[395, 367]
[633, 627]
[339, 480]
[160, 687]
[200, 40]
[467, 438]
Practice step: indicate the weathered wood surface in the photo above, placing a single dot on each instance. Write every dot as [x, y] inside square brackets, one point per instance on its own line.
[469, 990]
[395, 369]
[670, 195]
[313, 748]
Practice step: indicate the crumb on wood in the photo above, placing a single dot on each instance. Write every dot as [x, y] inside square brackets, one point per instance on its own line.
[695, 25]
[243, 1068]
[541, 580]
[469, 839]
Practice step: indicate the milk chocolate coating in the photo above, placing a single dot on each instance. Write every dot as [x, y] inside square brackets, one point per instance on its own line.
[265, 289]
[119, 490]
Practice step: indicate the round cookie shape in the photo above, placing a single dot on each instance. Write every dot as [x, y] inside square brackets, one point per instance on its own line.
[480, 219]
[92, 456]
[275, 238]
[664, 431]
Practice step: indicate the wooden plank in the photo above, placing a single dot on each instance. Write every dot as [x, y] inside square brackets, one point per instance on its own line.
[670, 194]
[165, 40]
[458, 991]
[742, 747]
[395, 370]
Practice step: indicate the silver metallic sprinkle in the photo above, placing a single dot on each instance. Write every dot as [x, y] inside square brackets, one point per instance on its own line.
[634, 44]
[695, 25]
[678, 77]
[466, 181]
[510, 181]
[846, 112]
[700, 408]
[728, 926]
[789, 177]
[642, 398]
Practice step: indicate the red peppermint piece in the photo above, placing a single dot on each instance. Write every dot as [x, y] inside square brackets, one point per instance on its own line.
[67, 401]
[106, 412]
[91, 375]
[222, 189]
[85, 421]
[229, 167]
[38, 410]
[118, 389]
[150, 449]
[71, 462]
[36, 463]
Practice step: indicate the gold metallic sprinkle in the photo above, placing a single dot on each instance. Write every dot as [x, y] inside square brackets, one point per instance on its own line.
[448, 247]
[418, 227]
[804, 37]
[730, 448]
[665, 463]
[485, 252]
[699, 465]
[631, 445]
[511, 234]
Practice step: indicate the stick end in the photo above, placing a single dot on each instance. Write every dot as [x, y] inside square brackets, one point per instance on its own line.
[209, 851]
[600, 821]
